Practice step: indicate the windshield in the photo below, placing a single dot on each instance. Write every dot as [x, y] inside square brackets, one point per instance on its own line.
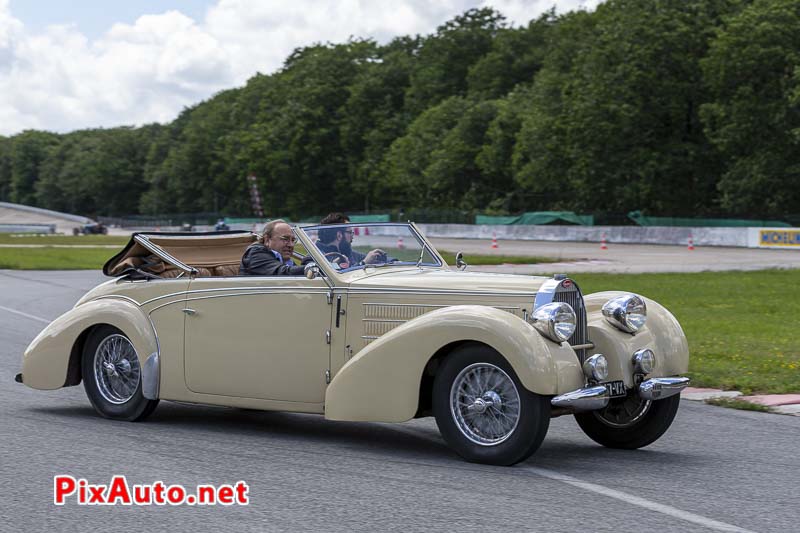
[360, 245]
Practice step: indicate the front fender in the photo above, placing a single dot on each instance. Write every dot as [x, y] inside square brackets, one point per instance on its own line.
[381, 382]
[46, 360]
[662, 334]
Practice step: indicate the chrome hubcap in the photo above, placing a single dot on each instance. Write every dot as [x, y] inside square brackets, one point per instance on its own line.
[623, 412]
[116, 369]
[485, 404]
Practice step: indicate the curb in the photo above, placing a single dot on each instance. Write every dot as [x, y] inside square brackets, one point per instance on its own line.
[785, 404]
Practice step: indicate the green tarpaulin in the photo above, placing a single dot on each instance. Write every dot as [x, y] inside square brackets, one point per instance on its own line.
[643, 220]
[369, 218]
[535, 218]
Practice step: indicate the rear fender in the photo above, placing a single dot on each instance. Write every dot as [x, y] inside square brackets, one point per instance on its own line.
[382, 381]
[46, 361]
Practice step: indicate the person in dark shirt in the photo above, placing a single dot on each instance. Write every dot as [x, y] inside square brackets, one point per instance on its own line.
[273, 256]
[340, 241]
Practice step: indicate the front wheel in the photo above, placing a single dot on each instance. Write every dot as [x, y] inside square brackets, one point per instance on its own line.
[483, 411]
[112, 376]
[629, 423]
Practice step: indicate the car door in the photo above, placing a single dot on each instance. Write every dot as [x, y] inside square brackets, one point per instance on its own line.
[258, 337]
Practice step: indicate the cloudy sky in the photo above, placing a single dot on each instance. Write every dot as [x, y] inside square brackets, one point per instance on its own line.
[104, 63]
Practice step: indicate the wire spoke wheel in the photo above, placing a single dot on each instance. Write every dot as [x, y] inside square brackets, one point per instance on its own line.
[623, 412]
[485, 404]
[116, 369]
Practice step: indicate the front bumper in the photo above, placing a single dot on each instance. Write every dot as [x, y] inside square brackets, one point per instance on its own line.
[596, 396]
[659, 388]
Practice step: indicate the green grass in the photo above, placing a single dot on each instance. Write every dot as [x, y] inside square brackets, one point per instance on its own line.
[49, 258]
[477, 259]
[742, 327]
[733, 403]
[7, 238]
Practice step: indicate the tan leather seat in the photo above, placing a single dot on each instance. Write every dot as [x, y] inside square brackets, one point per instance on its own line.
[226, 270]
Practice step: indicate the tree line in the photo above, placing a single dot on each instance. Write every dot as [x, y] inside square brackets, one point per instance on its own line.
[674, 108]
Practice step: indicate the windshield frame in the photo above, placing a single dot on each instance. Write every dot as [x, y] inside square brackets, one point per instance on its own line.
[318, 256]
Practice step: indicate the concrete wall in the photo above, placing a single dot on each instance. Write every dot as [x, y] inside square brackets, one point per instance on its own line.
[27, 228]
[742, 237]
[18, 214]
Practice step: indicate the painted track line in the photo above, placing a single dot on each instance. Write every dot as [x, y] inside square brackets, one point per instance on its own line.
[636, 500]
[26, 315]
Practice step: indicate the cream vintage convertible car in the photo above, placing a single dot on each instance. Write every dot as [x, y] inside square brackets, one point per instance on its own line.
[492, 357]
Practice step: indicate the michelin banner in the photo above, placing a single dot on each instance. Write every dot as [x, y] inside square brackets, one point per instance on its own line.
[784, 238]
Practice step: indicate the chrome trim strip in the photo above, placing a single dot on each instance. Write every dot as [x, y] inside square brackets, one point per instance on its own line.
[360, 291]
[587, 346]
[586, 399]
[369, 337]
[384, 320]
[153, 310]
[456, 292]
[119, 296]
[151, 374]
[546, 293]
[246, 294]
[660, 388]
[248, 288]
[502, 308]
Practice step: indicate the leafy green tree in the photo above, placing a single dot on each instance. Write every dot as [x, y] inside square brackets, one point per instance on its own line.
[5, 168]
[454, 178]
[628, 129]
[753, 72]
[410, 156]
[445, 58]
[373, 117]
[516, 55]
[28, 152]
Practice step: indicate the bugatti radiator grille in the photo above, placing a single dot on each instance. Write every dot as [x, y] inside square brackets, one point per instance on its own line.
[572, 296]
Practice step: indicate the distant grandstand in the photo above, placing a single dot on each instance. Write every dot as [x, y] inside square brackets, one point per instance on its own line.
[17, 218]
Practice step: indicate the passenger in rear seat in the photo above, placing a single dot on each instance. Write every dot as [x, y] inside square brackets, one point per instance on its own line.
[273, 256]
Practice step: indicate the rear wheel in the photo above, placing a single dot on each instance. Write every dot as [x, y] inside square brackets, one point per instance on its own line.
[112, 376]
[483, 411]
[629, 423]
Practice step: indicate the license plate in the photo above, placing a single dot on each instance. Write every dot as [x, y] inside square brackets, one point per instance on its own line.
[615, 388]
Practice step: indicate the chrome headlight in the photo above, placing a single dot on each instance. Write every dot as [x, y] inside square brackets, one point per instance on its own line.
[627, 312]
[596, 367]
[644, 361]
[556, 321]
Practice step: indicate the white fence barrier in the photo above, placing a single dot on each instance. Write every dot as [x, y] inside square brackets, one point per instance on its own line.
[784, 238]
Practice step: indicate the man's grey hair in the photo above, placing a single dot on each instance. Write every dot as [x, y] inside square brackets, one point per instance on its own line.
[269, 228]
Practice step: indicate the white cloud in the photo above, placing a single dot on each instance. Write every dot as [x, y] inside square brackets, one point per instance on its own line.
[148, 71]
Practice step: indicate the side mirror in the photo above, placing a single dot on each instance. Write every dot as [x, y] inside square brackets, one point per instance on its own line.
[311, 270]
[460, 263]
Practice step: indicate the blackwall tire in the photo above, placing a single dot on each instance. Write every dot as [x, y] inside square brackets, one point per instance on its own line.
[112, 376]
[630, 425]
[483, 411]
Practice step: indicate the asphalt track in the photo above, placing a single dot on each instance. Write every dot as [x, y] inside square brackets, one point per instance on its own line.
[577, 257]
[715, 470]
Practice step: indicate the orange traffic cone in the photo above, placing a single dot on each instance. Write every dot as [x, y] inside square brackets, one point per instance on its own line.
[400, 244]
[366, 230]
[691, 243]
[494, 240]
[603, 243]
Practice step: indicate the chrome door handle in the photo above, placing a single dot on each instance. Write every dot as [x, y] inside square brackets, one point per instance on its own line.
[190, 311]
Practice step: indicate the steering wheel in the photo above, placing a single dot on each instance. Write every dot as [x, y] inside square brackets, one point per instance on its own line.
[337, 259]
